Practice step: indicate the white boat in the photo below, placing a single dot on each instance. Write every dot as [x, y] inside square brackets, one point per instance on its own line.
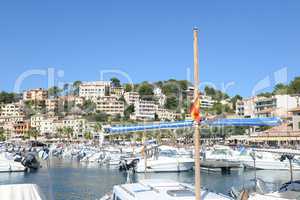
[268, 161]
[20, 192]
[150, 189]
[276, 196]
[289, 191]
[7, 164]
[167, 160]
[263, 160]
[220, 152]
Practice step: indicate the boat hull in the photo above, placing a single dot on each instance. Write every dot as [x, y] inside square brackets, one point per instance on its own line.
[165, 165]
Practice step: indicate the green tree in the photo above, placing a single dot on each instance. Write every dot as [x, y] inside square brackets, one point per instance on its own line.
[219, 108]
[68, 131]
[146, 91]
[210, 91]
[116, 117]
[294, 86]
[88, 135]
[265, 94]
[66, 88]
[172, 103]
[115, 82]
[97, 127]
[235, 99]
[215, 94]
[60, 132]
[75, 86]
[32, 132]
[128, 87]
[54, 91]
[2, 134]
[101, 117]
[128, 111]
[171, 88]
[6, 97]
[89, 106]
[183, 84]
[281, 89]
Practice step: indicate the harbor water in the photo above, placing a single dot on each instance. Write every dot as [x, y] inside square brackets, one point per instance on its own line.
[66, 180]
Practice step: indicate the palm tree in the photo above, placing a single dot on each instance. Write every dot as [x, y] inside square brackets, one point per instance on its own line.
[60, 132]
[88, 135]
[68, 131]
[33, 132]
[66, 88]
[75, 86]
[97, 127]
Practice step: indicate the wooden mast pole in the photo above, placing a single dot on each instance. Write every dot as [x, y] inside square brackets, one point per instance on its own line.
[197, 130]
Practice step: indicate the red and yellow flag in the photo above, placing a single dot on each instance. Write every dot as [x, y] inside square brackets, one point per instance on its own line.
[195, 110]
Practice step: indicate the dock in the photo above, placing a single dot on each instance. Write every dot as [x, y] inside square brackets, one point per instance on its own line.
[224, 166]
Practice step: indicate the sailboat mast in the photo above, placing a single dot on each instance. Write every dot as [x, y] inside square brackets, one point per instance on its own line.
[197, 130]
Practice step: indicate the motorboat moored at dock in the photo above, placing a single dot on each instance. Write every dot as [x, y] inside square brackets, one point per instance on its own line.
[158, 189]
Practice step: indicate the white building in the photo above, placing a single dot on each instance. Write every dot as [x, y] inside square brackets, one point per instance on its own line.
[52, 124]
[165, 114]
[110, 105]
[47, 125]
[35, 121]
[77, 124]
[274, 106]
[51, 105]
[246, 107]
[239, 108]
[71, 100]
[296, 118]
[11, 119]
[206, 102]
[161, 98]
[11, 109]
[92, 90]
[38, 94]
[144, 110]
[277, 105]
[131, 97]
[117, 91]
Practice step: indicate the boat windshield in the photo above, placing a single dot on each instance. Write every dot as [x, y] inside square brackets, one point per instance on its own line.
[168, 153]
[181, 193]
[221, 152]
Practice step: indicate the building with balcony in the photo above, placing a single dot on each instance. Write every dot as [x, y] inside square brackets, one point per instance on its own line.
[52, 105]
[38, 94]
[110, 105]
[277, 105]
[296, 118]
[93, 90]
[117, 91]
[35, 120]
[131, 97]
[165, 114]
[144, 110]
[77, 124]
[206, 102]
[11, 109]
[21, 128]
[246, 107]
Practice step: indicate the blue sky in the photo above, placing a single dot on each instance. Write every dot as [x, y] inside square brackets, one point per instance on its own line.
[240, 41]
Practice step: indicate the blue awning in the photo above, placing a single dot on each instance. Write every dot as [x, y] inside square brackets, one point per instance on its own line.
[274, 121]
[143, 127]
[271, 121]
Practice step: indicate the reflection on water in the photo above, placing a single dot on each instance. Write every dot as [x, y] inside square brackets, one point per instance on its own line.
[72, 180]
